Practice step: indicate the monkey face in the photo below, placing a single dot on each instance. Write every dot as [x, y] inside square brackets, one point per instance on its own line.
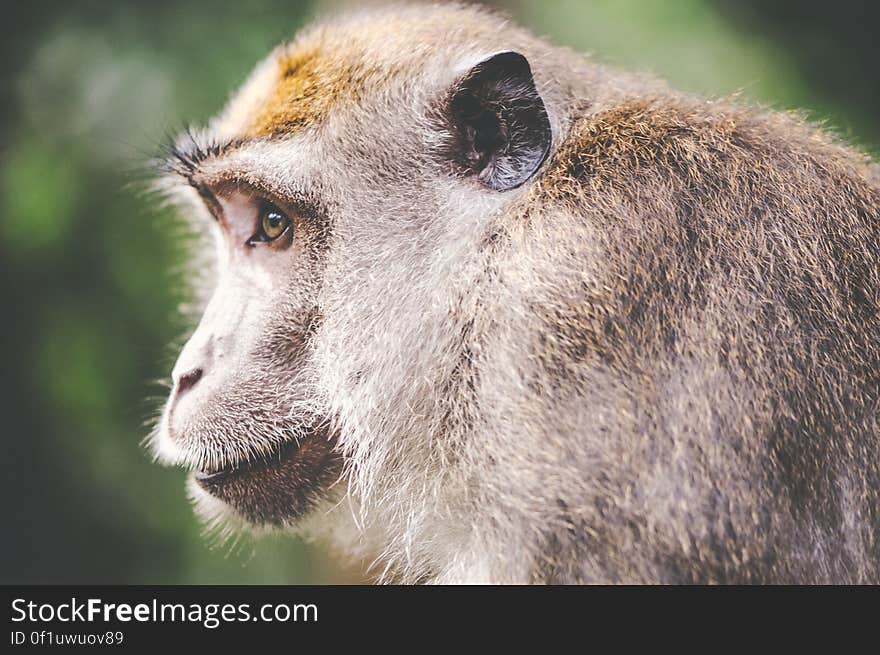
[242, 414]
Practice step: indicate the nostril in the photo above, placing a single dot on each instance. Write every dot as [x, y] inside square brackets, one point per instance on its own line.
[188, 380]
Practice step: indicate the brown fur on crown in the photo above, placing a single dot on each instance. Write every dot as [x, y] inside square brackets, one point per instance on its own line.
[311, 80]
[325, 68]
[307, 84]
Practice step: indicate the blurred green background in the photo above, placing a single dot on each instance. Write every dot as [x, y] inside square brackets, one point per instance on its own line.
[89, 267]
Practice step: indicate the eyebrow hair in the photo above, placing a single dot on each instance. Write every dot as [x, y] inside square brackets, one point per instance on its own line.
[184, 154]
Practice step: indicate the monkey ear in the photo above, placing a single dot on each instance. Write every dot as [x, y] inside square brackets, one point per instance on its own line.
[500, 126]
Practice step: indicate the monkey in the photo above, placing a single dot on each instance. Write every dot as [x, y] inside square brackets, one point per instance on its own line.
[479, 309]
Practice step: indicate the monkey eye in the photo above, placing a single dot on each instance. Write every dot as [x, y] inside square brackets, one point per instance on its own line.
[273, 224]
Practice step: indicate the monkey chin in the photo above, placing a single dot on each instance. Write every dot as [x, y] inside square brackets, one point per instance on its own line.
[271, 491]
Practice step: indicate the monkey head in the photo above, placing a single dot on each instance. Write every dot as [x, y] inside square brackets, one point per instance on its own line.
[348, 187]
[653, 358]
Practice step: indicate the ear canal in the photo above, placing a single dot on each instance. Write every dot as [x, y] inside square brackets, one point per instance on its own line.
[502, 133]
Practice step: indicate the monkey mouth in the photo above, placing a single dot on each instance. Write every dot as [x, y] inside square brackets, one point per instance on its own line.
[278, 487]
[282, 453]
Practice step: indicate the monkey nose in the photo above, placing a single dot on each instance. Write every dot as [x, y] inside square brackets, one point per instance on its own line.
[188, 381]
